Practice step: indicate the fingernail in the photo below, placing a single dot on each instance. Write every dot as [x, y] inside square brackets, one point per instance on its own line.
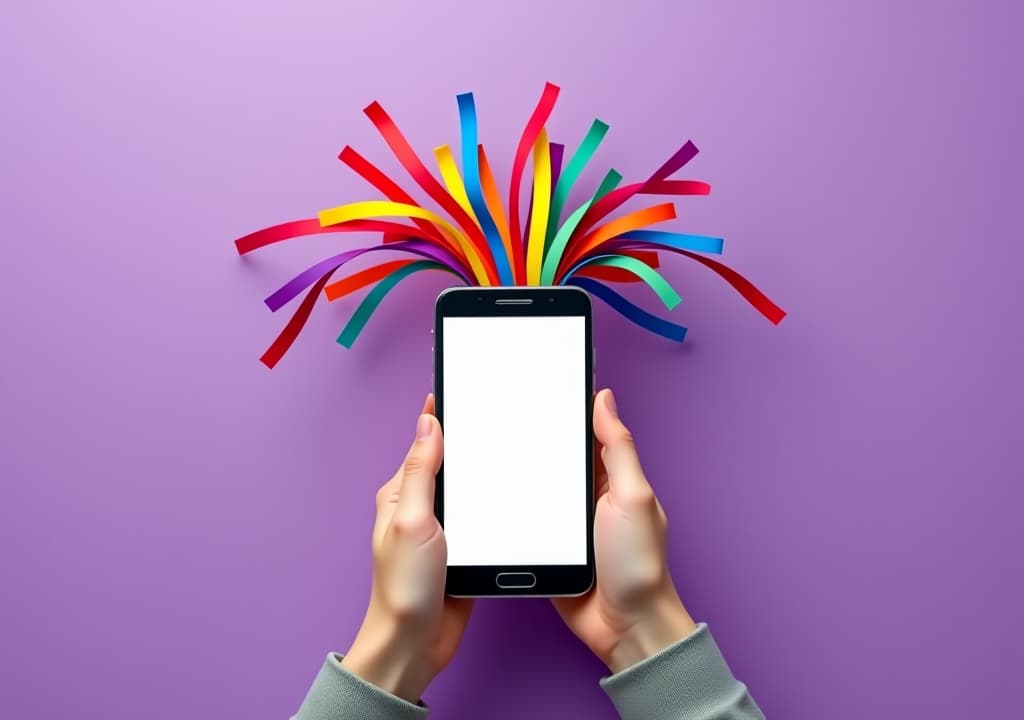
[609, 401]
[424, 427]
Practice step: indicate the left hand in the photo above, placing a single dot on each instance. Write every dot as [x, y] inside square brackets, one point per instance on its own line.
[411, 628]
[633, 611]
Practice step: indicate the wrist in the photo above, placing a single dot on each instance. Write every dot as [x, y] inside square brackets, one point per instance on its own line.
[664, 622]
[387, 659]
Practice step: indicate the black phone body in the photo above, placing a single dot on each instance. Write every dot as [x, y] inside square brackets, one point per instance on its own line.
[514, 387]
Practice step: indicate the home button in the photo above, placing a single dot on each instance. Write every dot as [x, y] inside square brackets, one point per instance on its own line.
[516, 580]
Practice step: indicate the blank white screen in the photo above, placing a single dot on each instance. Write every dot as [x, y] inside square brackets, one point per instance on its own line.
[515, 443]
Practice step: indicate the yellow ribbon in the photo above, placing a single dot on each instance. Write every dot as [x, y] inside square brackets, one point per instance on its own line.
[541, 205]
[453, 180]
[387, 208]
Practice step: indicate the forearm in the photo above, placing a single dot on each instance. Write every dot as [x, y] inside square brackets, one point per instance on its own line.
[689, 680]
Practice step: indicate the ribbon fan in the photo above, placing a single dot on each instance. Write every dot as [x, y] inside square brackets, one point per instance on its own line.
[480, 243]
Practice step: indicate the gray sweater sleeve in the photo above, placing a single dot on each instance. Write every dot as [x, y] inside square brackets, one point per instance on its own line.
[685, 681]
[337, 694]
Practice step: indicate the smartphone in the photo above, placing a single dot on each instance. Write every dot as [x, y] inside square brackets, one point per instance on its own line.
[513, 380]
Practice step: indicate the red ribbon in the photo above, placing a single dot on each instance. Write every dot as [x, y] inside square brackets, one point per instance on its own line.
[419, 172]
[540, 116]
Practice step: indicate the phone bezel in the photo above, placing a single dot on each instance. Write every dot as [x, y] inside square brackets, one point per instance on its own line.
[551, 580]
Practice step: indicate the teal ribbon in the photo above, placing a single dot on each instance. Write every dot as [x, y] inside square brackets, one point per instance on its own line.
[654, 280]
[362, 314]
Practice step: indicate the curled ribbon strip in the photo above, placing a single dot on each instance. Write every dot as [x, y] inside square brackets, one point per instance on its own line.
[370, 208]
[392, 191]
[359, 280]
[481, 241]
[633, 313]
[279, 347]
[373, 299]
[619, 226]
[493, 200]
[656, 184]
[300, 228]
[671, 240]
[471, 167]
[614, 274]
[539, 211]
[452, 179]
[287, 292]
[419, 172]
[540, 116]
[665, 292]
[565, 183]
[557, 249]
[555, 151]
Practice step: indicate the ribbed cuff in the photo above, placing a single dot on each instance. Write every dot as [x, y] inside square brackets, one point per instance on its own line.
[686, 681]
[337, 694]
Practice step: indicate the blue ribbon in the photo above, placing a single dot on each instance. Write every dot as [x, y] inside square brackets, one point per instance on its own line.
[681, 241]
[471, 171]
[623, 306]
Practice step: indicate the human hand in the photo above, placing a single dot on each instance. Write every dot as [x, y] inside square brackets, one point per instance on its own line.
[411, 628]
[633, 610]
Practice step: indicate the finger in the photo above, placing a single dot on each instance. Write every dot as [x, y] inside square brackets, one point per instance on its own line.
[387, 501]
[388, 492]
[415, 511]
[387, 496]
[600, 473]
[626, 481]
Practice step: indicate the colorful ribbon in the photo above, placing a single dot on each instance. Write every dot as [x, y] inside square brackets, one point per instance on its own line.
[493, 200]
[579, 160]
[419, 172]
[361, 279]
[362, 314]
[372, 208]
[479, 240]
[539, 211]
[665, 292]
[284, 294]
[471, 167]
[540, 116]
[633, 313]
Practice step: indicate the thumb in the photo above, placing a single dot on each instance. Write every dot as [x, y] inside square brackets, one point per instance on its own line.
[626, 480]
[415, 509]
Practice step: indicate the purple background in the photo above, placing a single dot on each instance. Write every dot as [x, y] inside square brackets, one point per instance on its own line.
[184, 534]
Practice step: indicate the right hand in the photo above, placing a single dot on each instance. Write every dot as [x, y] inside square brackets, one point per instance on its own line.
[633, 610]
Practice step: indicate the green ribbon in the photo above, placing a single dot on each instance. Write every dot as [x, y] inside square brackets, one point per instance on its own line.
[568, 178]
[553, 254]
[665, 292]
